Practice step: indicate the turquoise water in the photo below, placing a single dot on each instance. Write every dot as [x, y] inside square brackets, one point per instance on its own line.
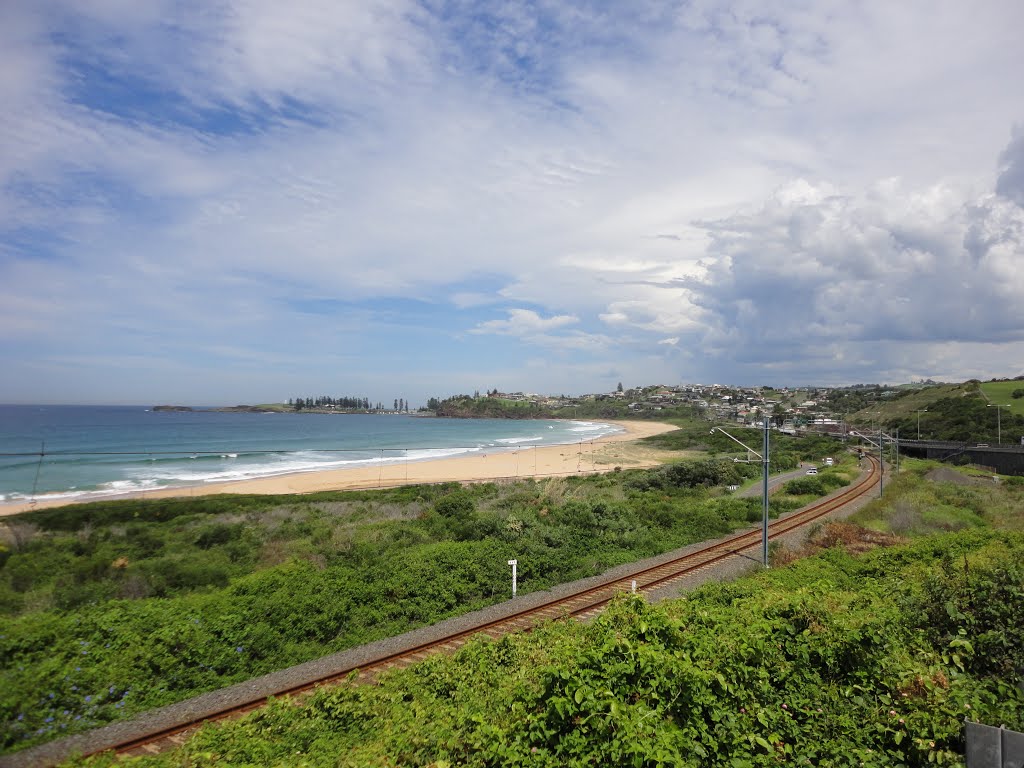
[95, 451]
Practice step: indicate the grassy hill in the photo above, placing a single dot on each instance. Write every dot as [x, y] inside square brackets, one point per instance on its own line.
[958, 412]
[904, 403]
[1002, 392]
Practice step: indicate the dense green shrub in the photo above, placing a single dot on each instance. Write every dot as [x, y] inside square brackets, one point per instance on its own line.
[693, 474]
[162, 601]
[833, 661]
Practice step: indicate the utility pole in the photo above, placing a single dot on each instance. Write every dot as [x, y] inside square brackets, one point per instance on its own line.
[764, 484]
[919, 412]
[897, 450]
[764, 497]
[881, 463]
[999, 421]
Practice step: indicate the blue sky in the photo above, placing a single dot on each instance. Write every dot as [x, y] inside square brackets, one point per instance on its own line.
[244, 200]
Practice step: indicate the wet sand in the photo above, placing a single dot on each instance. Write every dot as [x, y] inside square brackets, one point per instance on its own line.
[585, 457]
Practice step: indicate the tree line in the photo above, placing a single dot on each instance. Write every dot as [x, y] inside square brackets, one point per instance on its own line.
[345, 403]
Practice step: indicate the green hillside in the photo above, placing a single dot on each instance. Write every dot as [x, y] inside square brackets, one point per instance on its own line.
[904, 403]
[836, 659]
[1001, 392]
[960, 412]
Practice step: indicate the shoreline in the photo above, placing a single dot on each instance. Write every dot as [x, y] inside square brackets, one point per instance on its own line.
[583, 457]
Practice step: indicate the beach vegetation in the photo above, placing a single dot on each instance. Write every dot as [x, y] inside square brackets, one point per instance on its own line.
[113, 608]
[838, 659]
[168, 598]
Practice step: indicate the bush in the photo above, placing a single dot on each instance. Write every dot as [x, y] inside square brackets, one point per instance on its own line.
[805, 486]
[217, 535]
[457, 505]
[170, 575]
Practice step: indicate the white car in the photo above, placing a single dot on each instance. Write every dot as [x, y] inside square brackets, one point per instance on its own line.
[812, 471]
[828, 462]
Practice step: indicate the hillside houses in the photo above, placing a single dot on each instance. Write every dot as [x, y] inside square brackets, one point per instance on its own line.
[788, 407]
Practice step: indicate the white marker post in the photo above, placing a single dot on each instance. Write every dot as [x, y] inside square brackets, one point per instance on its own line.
[513, 563]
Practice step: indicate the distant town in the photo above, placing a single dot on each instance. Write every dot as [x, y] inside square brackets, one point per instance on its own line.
[788, 408]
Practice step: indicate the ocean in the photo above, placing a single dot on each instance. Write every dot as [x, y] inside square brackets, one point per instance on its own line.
[97, 451]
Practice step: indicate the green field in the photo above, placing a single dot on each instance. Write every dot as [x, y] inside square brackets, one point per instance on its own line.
[907, 404]
[1001, 392]
[960, 412]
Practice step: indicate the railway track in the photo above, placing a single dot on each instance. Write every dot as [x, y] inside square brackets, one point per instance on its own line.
[581, 605]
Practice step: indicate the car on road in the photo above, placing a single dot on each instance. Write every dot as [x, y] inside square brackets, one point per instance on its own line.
[812, 471]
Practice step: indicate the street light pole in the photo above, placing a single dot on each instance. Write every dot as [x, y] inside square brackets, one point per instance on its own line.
[919, 412]
[999, 421]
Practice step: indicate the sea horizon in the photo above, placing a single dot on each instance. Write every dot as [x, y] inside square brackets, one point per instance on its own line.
[77, 453]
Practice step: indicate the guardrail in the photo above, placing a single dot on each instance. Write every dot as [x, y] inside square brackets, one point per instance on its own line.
[991, 747]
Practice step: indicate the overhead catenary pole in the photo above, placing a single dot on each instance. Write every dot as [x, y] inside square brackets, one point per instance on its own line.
[881, 463]
[764, 497]
[764, 484]
[749, 449]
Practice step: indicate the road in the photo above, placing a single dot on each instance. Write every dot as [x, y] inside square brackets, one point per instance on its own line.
[774, 481]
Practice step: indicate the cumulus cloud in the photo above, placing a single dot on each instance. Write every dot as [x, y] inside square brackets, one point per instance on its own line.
[751, 182]
[524, 322]
[818, 280]
[530, 327]
[1011, 173]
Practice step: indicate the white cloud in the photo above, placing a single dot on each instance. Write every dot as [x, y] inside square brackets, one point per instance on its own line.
[759, 184]
[524, 323]
[875, 281]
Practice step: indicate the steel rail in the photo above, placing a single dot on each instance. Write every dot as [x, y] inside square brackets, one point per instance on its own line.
[581, 604]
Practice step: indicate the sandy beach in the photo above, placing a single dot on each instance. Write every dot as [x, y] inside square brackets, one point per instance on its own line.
[586, 457]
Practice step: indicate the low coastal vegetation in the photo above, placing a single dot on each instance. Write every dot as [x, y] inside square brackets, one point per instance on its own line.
[494, 406]
[115, 608]
[837, 659]
[108, 612]
[871, 660]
